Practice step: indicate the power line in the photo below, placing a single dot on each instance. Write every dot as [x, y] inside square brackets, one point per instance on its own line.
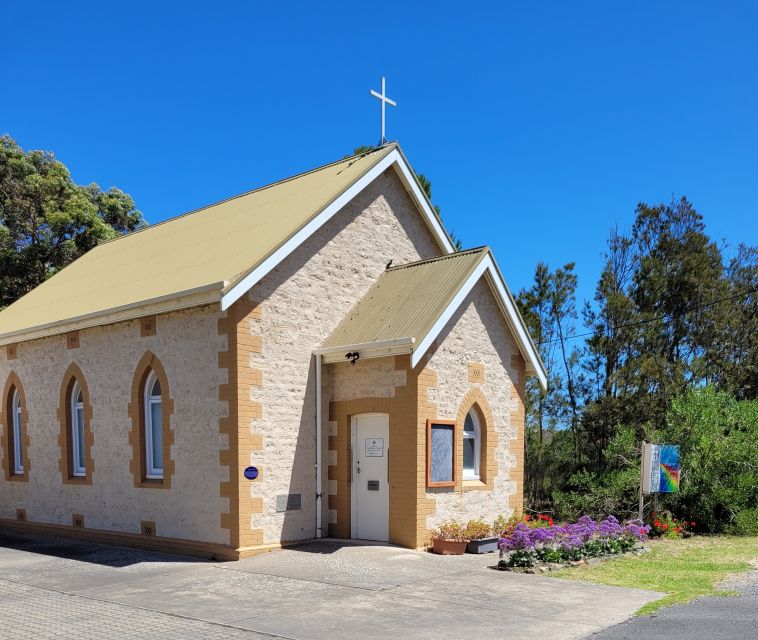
[656, 318]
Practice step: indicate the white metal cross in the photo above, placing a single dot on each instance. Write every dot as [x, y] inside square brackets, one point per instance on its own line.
[385, 100]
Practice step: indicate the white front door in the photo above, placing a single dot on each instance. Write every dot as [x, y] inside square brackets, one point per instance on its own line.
[371, 495]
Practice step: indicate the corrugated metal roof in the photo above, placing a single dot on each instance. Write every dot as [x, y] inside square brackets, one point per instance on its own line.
[202, 250]
[407, 300]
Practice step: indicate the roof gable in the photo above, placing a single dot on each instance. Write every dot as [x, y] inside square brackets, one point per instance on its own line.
[214, 254]
[408, 307]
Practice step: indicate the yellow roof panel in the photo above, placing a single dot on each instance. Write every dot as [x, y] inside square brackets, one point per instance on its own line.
[201, 250]
[407, 300]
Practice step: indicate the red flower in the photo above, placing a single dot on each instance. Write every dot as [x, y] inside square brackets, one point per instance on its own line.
[665, 526]
[692, 523]
[527, 517]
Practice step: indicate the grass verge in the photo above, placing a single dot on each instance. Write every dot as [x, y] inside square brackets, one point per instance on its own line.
[682, 569]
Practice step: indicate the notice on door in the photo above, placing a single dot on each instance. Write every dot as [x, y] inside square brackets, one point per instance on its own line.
[374, 447]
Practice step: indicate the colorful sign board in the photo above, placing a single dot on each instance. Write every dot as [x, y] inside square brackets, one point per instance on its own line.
[660, 468]
[669, 468]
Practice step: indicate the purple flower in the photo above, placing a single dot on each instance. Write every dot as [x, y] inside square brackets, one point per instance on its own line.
[572, 537]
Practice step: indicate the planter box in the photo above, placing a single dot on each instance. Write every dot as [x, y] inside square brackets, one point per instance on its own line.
[484, 545]
[449, 547]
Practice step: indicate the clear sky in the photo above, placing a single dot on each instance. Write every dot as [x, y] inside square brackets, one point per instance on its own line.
[541, 125]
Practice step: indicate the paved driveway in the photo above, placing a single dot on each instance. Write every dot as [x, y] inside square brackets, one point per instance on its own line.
[712, 618]
[53, 588]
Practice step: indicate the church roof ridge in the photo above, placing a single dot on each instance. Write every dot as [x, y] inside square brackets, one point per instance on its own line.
[449, 256]
[249, 192]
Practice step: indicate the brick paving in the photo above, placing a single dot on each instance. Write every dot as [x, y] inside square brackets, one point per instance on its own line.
[31, 613]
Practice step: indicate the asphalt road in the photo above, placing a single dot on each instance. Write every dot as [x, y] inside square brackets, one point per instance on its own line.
[713, 618]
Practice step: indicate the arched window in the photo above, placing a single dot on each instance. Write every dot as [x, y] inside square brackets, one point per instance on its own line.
[14, 432]
[76, 407]
[17, 440]
[472, 445]
[151, 437]
[153, 427]
[76, 438]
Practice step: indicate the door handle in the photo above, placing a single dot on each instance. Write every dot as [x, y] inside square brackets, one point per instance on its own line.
[388, 466]
[349, 465]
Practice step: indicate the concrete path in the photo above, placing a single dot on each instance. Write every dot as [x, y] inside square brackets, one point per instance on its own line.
[52, 588]
[712, 618]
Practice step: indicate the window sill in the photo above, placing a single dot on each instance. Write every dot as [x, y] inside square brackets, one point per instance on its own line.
[153, 483]
[474, 485]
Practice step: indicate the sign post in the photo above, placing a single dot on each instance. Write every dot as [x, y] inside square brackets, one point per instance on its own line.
[660, 470]
[642, 478]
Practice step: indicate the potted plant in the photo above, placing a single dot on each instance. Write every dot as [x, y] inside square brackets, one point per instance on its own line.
[480, 537]
[449, 539]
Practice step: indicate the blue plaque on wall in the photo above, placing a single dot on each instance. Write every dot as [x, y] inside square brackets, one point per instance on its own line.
[251, 473]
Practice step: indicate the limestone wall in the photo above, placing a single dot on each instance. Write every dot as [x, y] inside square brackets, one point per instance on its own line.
[478, 334]
[300, 303]
[187, 344]
[370, 378]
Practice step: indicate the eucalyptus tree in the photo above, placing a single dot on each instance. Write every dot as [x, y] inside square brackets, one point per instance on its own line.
[47, 220]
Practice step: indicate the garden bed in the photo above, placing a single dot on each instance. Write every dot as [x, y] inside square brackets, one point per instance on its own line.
[545, 567]
[540, 546]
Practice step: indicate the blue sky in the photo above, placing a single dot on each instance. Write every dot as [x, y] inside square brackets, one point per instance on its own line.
[541, 125]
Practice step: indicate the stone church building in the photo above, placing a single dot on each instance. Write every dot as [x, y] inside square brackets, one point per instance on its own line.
[308, 359]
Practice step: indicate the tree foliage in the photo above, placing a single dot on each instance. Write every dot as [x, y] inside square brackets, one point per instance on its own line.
[47, 221]
[669, 317]
[717, 435]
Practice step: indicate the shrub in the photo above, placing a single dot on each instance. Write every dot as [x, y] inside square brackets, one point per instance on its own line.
[522, 558]
[746, 523]
[717, 436]
[450, 530]
[477, 530]
[505, 526]
[665, 525]
[549, 554]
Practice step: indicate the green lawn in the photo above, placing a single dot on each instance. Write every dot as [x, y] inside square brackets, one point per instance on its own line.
[683, 569]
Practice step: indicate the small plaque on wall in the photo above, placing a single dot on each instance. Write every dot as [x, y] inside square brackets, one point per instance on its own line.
[72, 340]
[476, 372]
[441, 452]
[288, 502]
[147, 326]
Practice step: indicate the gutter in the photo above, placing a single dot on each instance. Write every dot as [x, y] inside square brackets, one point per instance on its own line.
[205, 294]
[319, 428]
[379, 349]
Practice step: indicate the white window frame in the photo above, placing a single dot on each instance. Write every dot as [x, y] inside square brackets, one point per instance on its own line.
[77, 431]
[18, 453]
[477, 438]
[151, 473]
